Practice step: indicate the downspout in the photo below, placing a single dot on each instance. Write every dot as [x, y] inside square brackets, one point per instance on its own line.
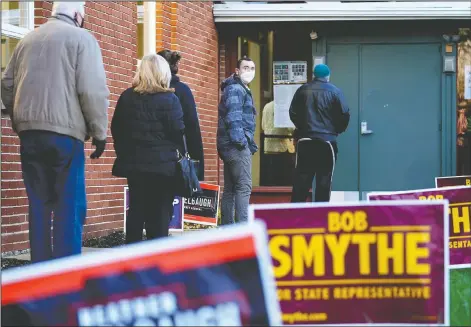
[150, 23]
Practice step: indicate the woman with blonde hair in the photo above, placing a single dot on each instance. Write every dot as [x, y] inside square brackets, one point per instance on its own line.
[147, 130]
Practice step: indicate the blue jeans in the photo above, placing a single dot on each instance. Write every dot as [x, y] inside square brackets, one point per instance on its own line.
[237, 185]
[54, 176]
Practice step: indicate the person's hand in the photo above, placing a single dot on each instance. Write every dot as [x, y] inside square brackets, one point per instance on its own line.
[99, 148]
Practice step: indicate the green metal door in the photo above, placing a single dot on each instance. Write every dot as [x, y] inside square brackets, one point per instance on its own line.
[343, 61]
[400, 108]
[394, 92]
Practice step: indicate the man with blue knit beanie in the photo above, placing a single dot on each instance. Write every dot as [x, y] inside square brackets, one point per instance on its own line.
[320, 113]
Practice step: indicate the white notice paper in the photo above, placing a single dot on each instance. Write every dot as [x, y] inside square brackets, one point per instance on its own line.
[283, 95]
[318, 61]
[467, 82]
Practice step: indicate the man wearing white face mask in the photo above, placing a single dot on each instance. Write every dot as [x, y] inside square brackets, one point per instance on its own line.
[235, 141]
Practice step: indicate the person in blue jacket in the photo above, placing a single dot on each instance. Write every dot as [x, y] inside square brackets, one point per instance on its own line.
[190, 114]
[236, 142]
[320, 113]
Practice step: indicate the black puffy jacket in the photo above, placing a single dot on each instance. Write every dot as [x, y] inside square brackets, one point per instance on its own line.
[192, 125]
[319, 110]
[147, 130]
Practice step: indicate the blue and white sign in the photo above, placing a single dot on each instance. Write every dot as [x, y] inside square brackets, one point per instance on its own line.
[176, 224]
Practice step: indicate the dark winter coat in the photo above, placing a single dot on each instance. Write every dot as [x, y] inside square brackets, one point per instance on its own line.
[319, 110]
[147, 130]
[192, 124]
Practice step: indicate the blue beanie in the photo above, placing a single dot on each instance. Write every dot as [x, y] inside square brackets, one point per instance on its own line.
[321, 71]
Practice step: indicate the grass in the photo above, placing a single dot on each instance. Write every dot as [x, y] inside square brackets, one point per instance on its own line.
[110, 241]
[11, 263]
[460, 297]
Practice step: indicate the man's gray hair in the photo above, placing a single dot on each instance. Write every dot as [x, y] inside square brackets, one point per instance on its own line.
[68, 8]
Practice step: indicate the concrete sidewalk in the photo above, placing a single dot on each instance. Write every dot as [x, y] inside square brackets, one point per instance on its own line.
[27, 256]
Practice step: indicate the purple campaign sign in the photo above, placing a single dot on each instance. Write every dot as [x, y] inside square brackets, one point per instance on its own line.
[459, 198]
[453, 181]
[363, 263]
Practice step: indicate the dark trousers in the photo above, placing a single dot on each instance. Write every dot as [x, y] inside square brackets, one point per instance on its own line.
[314, 158]
[150, 205]
[53, 168]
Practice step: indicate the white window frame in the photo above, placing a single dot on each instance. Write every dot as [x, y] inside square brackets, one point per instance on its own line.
[17, 32]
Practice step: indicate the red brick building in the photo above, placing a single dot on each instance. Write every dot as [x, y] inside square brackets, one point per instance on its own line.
[118, 26]
[211, 36]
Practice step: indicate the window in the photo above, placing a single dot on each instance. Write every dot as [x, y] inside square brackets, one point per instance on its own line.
[8, 45]
[17, 21]
[17, 18]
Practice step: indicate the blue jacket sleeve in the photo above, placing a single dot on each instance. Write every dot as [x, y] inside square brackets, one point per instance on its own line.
[234, 101]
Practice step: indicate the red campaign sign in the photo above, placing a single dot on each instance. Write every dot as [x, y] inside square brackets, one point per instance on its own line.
[203, 208]
[212, 278]
[453, 181]
[459, 198]
[375, 263]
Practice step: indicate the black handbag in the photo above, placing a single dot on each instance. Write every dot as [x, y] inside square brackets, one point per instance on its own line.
[187, 183]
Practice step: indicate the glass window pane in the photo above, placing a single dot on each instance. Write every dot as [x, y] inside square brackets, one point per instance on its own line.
[8, 45]
[277, 160]
[16, 13]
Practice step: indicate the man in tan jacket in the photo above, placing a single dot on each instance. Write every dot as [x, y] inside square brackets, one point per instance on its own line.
[54, 89]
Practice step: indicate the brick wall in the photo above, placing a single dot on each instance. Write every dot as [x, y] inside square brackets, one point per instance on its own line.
[189, 28]
[115, 26]
[164, 24]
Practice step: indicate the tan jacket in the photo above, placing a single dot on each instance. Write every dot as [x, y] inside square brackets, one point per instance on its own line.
[275, 145]
[55, 81]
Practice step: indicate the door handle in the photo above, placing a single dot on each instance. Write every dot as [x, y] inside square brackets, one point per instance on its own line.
[364, 128]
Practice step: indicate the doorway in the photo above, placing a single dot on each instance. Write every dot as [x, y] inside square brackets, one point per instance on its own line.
[251, 48]
[394, 91]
